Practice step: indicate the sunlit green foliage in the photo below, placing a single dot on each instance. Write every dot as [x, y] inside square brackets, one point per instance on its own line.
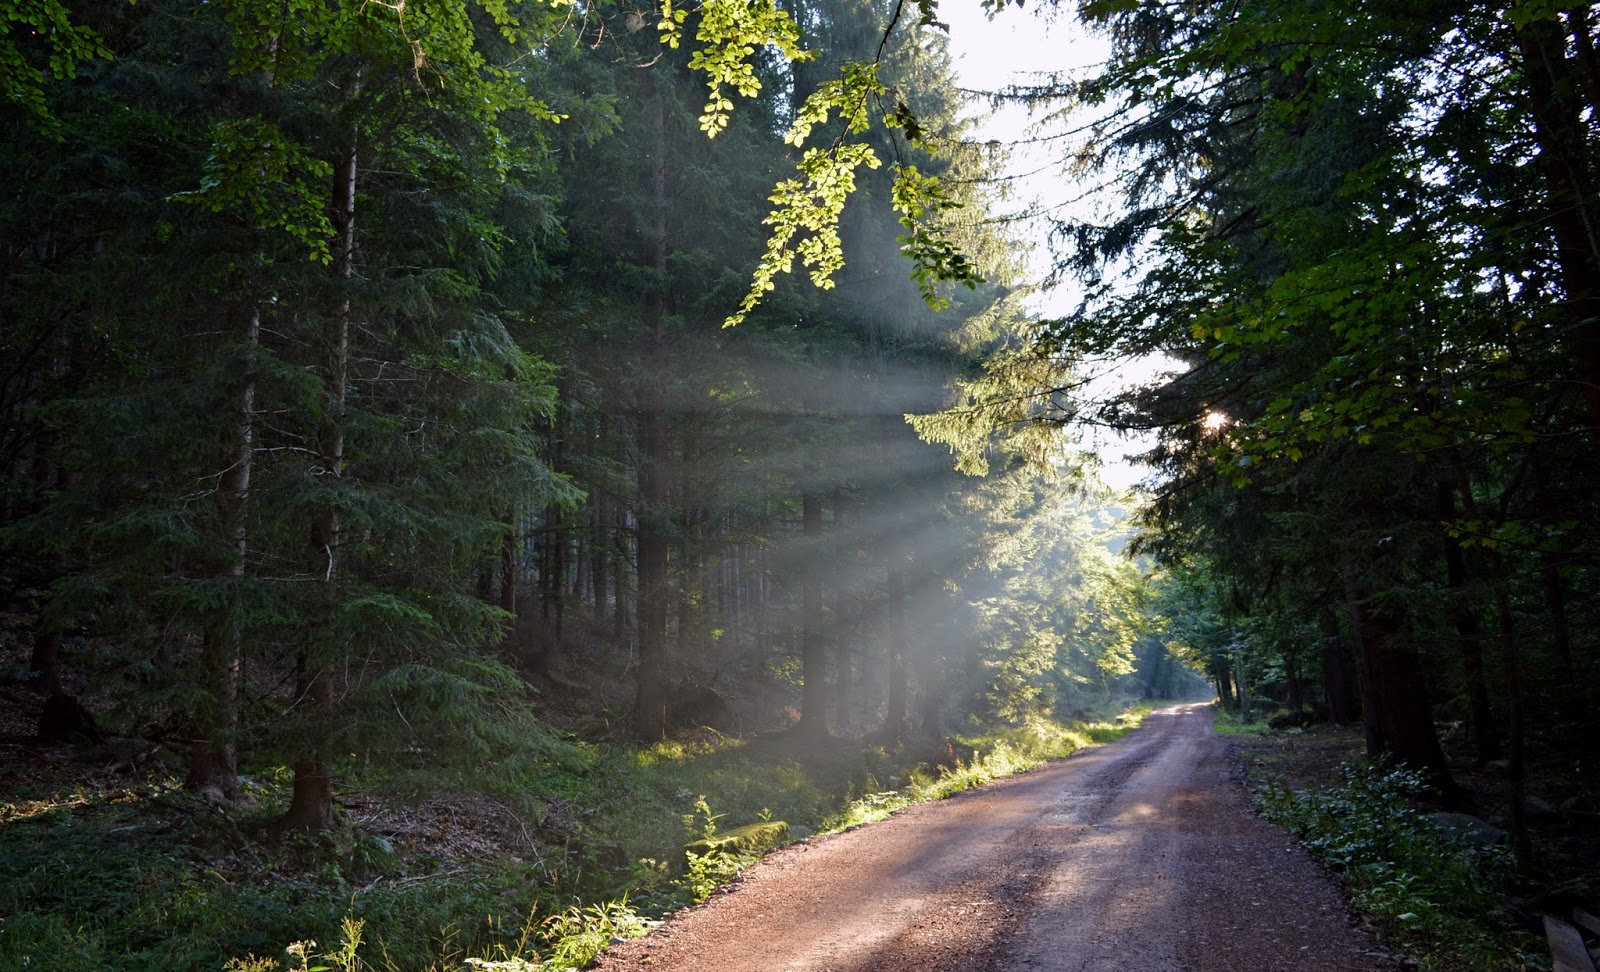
[805, 218]
[806, 210]
[40, 41]
[730, 32]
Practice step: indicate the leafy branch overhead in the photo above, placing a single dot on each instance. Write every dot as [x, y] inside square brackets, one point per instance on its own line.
[935, 259]
[731, 32]
[22, 79]
[812, 205]
[806, 210]
[257, 173]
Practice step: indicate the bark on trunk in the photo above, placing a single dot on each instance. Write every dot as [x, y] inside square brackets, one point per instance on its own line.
[213, 760]
[1296, 699]
[311, 803]
[1511, 671]
[597, 557]
[1364, 679]
[509, 548]
[691, 586]
[1240, 684]
[1578, 724]
[1567, 702]
[1583, 43]
[552, 577]
[621, 561]
[930, 680]
[1511, 676]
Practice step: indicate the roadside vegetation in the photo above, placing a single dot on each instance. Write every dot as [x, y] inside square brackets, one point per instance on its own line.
[1438, 885]
[565, 847]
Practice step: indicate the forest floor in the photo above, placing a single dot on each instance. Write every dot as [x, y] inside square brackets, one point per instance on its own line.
[1142, 854]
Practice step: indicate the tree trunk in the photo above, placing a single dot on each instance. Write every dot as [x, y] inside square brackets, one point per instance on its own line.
[1395, 706]
[894, 722]
[1336, 673]
[510, 546]
[1239, 682]
[738, 600]
[311, 806]
[556, 526]
[1511, 675]
[1511, 670]
[691, 587]
[930, 678]
[44, 664]
[1583, 44]
[843, 558]
[311, 803]
[552, 543]
[213, 760]
[1295, 700]
[814, 648]
[1485, 732]
[1576, 721]
[597, 556]
[621, 561]
[1569, 708]
[651, 698]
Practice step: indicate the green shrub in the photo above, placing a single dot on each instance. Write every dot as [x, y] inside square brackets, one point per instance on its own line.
[577, 935]
[708, 872]
[1430, 894]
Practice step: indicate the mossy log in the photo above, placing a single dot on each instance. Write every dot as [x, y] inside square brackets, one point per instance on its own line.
[752, 838]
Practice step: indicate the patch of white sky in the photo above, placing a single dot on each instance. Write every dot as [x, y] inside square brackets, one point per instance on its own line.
[1022, 47]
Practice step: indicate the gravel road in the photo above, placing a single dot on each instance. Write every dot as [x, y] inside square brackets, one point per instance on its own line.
[1139, 855]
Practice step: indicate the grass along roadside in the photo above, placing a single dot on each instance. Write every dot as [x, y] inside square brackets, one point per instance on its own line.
[534, 853]
[995, 755]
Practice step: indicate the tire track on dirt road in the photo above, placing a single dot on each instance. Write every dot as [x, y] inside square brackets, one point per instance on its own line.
[1138, 855]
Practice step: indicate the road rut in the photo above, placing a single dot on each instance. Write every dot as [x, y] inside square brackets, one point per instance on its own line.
[1139, 855]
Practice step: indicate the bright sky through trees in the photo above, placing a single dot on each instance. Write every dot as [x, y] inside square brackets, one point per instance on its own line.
[1018, 47]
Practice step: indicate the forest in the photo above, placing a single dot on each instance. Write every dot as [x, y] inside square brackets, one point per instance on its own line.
[431, 496]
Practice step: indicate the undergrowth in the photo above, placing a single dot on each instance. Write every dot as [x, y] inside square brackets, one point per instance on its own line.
[146, 877]
[1433, 895]
[1231, 722]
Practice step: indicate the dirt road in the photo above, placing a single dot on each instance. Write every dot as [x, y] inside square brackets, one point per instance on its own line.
[1141, 855]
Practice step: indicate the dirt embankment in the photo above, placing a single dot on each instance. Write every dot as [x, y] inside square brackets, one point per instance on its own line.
[1140, 855]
